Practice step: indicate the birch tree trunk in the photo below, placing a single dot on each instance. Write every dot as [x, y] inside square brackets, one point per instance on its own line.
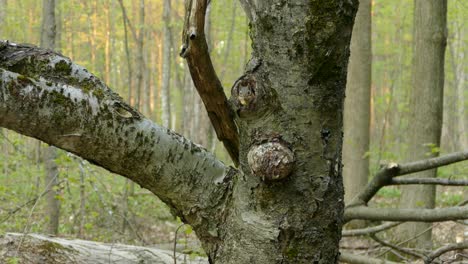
[426, 104]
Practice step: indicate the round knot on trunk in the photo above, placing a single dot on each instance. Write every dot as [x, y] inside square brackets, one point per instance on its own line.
[271, 161]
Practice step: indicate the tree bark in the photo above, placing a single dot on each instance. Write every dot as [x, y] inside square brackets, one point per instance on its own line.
[296, 79]
[426, 104]
[83, 116]
[357, 106]
[51, 178]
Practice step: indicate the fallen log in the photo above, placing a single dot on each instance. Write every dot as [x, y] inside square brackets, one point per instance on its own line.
[35, 248]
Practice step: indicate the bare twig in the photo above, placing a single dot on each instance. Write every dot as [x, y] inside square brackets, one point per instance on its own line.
[395, 247]
[442, 250]
[369, 230]
[437, 181]
[195, 51]
[410, 214]
[384, 177]
[175, 242]
[355, 259]
[125, 17]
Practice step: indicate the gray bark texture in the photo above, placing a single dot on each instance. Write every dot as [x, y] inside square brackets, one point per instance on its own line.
[426, 104]
[48, 35]
[357, 105]
[285, 202]
[300, 53]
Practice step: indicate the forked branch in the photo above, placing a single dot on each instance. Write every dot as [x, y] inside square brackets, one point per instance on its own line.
[207, 83]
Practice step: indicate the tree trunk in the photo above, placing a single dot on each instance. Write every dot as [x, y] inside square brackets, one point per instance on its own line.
[426, 104]
[51, 183]
[107, 45]
[51, 177]
[3, 6]
[357, 105]
[141, 100]
[166, 66]
[291, 99]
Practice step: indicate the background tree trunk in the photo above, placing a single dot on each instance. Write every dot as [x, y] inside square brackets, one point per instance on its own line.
[426, 103]
[166, 66]
[357, 105]
[51, 179]
[3, 6]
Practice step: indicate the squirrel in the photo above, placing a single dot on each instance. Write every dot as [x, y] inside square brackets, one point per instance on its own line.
[245, 91]
[244, 87]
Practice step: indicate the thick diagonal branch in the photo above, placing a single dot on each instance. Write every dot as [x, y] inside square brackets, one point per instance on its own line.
[195, 51]
[46, 96]
[384, 177]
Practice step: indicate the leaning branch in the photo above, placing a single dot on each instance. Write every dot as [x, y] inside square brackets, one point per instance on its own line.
[385, 176]
[413, 215]
[195, 51]
[46, 96]
[395, 247]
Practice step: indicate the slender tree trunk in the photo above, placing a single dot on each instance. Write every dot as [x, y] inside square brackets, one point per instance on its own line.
[357, 104]
[107, 45]
[229, 41]
[457, 56]
[127, 55]
[166, 66]
[82, 215]
[426, 104]
[187, 115]
[3, 6]
[140, 60]
[51, 180]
